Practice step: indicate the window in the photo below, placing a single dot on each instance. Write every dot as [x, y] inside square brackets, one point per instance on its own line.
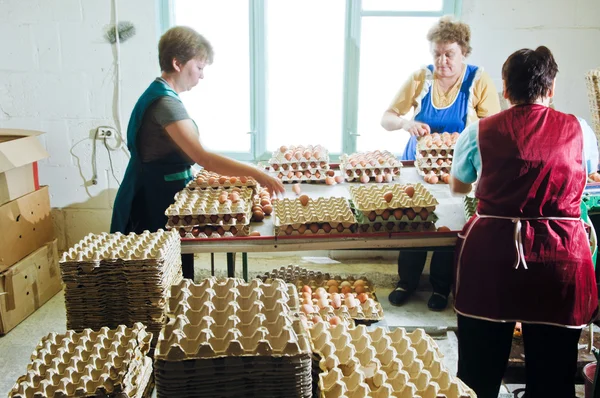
[310, 72]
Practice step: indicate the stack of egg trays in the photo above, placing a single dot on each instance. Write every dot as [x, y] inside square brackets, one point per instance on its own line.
[303, 168]
[199, 213]
[375, 214]
[427, 165]
[233, 339]
[114, 279]
[470, 203]
[370, 310]
[436, 158]
[391, 165]
[106, 363]
[321, 216]
[208, 179]
[359, 363]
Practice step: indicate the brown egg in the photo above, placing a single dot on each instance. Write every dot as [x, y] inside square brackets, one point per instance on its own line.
[306, 296]
[364, 178]
[283, 149]
[443, 229]
[359, 282]
[298, 174]
[289, 230]
[386, 214]
[398, 213]
[446, 178]
[359, 289]
[336, 300]
[424, 214]
[410, 191]
[298, 155]
[268, 209]
[330, 173]
[314, 228]
[258, 215]
[303, 200]
[410, 213]
[335, 320]
[233, 180]
[362, 297]
[212, 181]
[388, 196]
[379, 178]
[222, 180]
[307, 154]
[243, 179]
[302, 228]
[372, 216]
[332, 282]
[307, 289]
[346, 289]
[433, 179]
[329, 180]
[339, 179]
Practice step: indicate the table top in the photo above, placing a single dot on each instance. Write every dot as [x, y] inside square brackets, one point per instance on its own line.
[449, 211]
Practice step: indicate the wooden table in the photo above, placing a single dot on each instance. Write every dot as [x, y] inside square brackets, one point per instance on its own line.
[449, 211]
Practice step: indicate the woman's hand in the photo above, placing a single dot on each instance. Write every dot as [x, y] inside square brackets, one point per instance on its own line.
[416, 128]
[274, 185]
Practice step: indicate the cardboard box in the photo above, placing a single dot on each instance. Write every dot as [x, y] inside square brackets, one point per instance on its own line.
[26, 225]
[27, 285]
[20, 150]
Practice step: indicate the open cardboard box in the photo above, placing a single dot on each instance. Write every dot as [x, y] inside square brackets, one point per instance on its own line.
[20, 150]
[26, 225]
[28, 284]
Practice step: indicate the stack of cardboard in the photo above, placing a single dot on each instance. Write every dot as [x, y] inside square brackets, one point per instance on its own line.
[29, 274]
[114, 279]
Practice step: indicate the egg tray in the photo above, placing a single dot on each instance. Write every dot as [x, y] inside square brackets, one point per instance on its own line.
[314, 165]
[435, 154]
[143, 247]
[200, 181]
[206, 203]
[236, 377]
[436, 170]
[470, 206]
[356, 174]
[312, 175]
[202, 220]
[395, 216]
[300, 276]
[353, 173]
[429, 141]
[279, 157]
[392, 227]
[325, 315]
[428, 163]
[358, 363]
[370, 310]
[231, 318]
[368, 198]
[91, 363]
[212, 231]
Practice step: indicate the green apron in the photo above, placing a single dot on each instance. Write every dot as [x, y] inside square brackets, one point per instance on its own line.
[148, 189]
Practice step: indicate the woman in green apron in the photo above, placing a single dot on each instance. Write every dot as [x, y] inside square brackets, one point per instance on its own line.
[164, 141]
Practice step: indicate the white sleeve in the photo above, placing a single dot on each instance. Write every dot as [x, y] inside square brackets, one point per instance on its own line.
[590, 147]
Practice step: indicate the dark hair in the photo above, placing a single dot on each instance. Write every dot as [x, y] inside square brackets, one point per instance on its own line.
[447, 30]
[182, 43]
[529, 74]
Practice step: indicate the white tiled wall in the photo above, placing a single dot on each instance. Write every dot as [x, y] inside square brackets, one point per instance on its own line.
[57, 75]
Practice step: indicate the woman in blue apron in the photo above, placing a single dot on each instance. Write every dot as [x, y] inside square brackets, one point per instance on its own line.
[164, 141]
[445, 97]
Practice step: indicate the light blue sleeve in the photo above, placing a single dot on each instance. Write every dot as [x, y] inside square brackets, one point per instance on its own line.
[466, 162]
[590, 147]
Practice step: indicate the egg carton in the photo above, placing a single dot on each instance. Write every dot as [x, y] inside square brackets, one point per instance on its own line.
[435, 154]
[437, 141]
[207, 203]
[437, 170]
[368, 310]
[204, 220]
[368, 198]
[428, 163]
[319, 216]
[356, 362]
[396, 216]
[337, 316]
[213, 231]
[214, 320]
[368, 163]
[310, 175]
[313, 165]
[300, 277]
[208, 179]
[470, 205]
[143, 247]
[91, 363]
[299, 153]
[391, 227]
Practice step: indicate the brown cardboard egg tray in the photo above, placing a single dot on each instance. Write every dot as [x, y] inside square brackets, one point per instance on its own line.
[201, 181]
[368, 198]
[213, 231]
[299, 153]
[203, 208]
[320, 216]
[91, 363]
[148, 247]
[356, 362]
[214, 319]
[309, 175]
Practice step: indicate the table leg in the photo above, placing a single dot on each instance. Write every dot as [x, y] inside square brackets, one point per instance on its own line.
[245, 266]
[231, 265]
[187, 265]
[212, 264]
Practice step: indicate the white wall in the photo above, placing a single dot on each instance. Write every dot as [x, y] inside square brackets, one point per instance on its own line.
[57, 75]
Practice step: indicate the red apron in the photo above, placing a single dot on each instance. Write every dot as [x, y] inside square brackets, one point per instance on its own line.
[525, 255]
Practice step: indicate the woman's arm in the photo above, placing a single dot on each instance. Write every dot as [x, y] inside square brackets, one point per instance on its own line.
[183, 132]
[403, 102]
[466, 161]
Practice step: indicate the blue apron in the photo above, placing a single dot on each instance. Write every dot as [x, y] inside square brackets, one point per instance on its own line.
[450, 119]
[148, 189]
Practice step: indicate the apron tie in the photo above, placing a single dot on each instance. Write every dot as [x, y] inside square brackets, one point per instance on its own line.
[517, 234]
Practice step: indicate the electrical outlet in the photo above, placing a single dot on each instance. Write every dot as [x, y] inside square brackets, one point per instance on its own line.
[105, 132]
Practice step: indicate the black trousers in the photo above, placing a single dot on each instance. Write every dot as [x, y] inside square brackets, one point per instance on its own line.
[550, 357]
[411, 264]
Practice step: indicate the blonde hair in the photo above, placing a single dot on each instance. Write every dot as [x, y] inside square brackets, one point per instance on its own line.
[447, 30]
[182, 43]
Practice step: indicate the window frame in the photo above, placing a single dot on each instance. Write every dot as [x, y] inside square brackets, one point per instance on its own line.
[257, 67]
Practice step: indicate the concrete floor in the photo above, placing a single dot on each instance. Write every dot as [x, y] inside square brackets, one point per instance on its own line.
[18, 344]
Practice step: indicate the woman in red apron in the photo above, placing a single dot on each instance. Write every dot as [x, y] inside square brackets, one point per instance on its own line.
[524, 256]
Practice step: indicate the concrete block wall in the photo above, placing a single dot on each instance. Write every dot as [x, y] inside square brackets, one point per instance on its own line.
[57, 74]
